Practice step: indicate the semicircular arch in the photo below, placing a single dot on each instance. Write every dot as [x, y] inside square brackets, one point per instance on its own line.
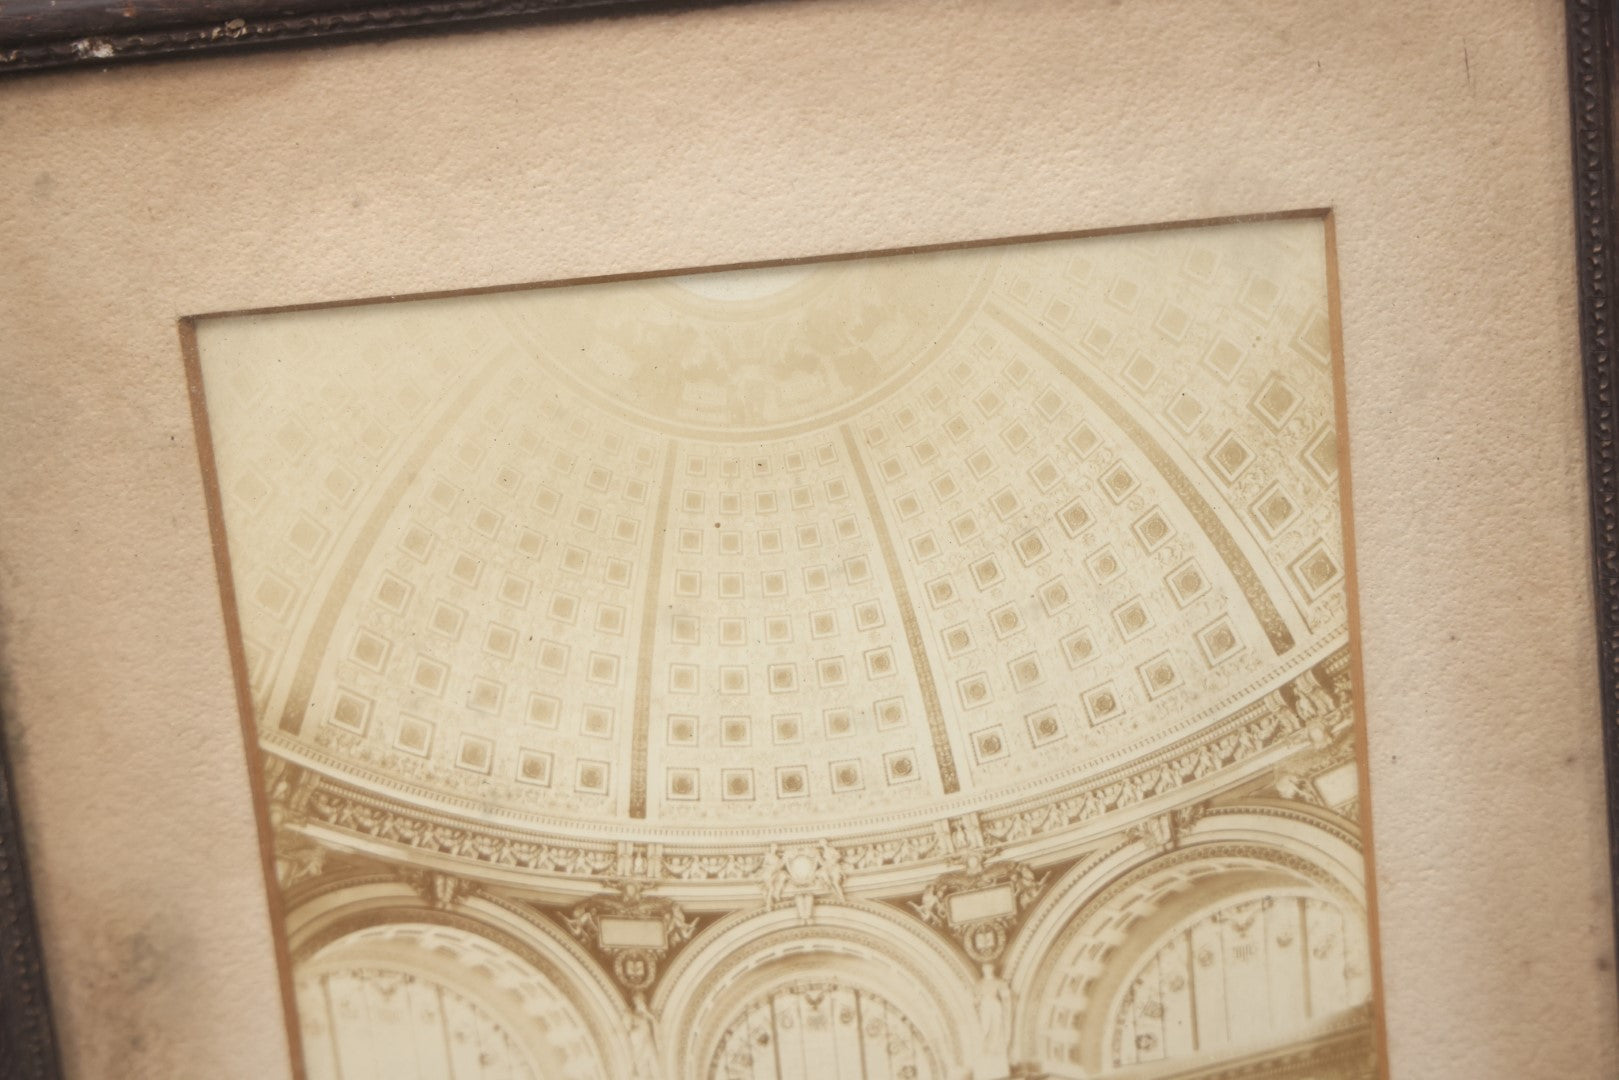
[372, 905]
[1090, 927]
[869, 944]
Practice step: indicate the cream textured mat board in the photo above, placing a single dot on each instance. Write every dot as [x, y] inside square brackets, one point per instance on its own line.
[134, 197]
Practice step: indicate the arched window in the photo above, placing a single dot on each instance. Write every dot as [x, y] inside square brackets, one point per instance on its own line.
[409, 1002]
[1256, 971]
[819, 1029]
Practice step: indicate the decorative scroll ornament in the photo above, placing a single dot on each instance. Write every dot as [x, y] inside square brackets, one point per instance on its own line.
[633, 930]
[977, 905]
[801, 873]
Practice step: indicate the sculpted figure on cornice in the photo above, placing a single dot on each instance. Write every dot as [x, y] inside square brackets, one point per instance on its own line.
[801, 873]
[632, 902]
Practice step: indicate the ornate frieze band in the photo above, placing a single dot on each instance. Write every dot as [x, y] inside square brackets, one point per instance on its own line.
[1308, 715]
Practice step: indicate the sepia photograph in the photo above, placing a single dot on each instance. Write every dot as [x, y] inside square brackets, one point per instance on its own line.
[921, 666]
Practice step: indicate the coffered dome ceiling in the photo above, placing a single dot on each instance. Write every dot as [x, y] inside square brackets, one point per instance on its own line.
[829, 550]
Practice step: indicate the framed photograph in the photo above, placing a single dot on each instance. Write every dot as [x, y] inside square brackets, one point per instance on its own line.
[782, 541]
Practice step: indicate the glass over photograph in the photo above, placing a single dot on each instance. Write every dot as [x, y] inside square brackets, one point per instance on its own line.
[931, 666]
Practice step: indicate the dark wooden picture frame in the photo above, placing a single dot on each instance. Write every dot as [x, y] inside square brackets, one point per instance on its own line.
[44, 34]
[1593, 65]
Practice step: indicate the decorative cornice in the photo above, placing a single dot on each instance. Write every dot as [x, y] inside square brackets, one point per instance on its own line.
[719, 877]
[1319, 710]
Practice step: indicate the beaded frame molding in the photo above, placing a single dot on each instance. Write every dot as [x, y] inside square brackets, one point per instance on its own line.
[40, 34]
[1593, 66]
[44, 34]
